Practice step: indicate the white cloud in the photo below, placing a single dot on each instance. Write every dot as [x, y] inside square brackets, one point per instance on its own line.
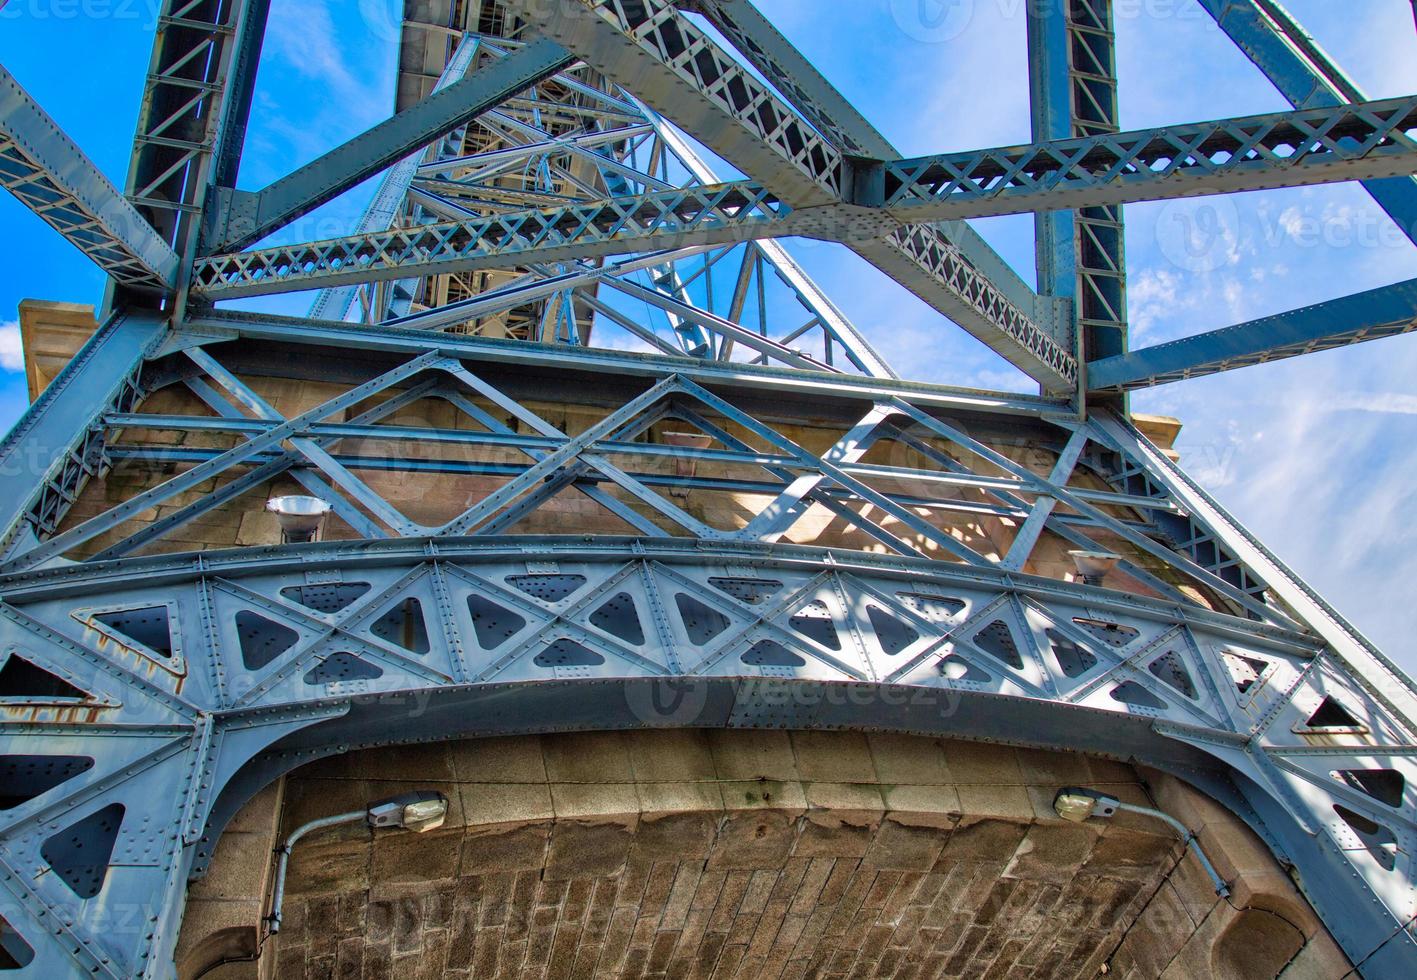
[1382, 403]
[12, 355]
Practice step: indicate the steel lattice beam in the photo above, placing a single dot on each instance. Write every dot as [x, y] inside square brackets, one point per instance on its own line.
[1073, 82]
[668, 219]
[1248, 153]
[199, 84]
[253, 216]
[670, 63]
[1372, 315]
[1211, 668]
[1306, 76]
[51, 176]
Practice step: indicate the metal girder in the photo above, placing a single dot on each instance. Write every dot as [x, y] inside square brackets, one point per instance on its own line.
[670, 63]
[781, 382]
[952, 254]
[1213, 667]
[1383, 680]
[1306, 76]
[1285, 149]
[252, 216]
[833, 320]
[51, 176]
[1248, 153]
[840, 477]
[1073, 87]
[852, 634]
[54, 448]
[792, 74]
[188, 114]
[384, 208]
[667, 219]
[530, 288]
[1372, 315]
[1203, 704]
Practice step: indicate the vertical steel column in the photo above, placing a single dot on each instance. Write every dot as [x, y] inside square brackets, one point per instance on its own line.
[1073, 85]
[196, 105]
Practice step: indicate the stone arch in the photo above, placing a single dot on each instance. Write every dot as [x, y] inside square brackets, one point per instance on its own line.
[913, 829]
[1257, 944]
[227, 952]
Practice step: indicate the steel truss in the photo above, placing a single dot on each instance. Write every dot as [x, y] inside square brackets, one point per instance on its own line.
[541, 192]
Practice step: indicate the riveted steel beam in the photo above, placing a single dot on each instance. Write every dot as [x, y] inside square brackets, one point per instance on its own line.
[200, 81]
[54, 448]
[670, 63]
[1306, 76]
[251, 217]
[1073, 87]
[665, 219]
[1246, 153]
[1384, 312]
[50, 175]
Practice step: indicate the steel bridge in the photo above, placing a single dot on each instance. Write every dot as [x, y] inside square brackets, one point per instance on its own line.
[543, 186]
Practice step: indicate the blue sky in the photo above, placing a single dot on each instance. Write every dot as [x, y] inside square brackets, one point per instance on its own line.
[1313, 454]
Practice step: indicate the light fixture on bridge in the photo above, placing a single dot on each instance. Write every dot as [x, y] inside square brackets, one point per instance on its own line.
[419, 811]
[1094, 566]
[1080, 805]
[301, 518]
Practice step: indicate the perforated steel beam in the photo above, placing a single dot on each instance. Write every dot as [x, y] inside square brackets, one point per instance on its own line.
[50, 175]
[1073, 87]
[253, 216]
[668, 219]
[668, 62]
[1247, 153]
[189, 111]
[1372, 315]
[1308, 78]
[206, 729]
[764, 47]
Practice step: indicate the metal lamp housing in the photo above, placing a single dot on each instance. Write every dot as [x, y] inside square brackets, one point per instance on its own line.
[301, 518]
[1079, 805]
[419, 812]
[1094, 566]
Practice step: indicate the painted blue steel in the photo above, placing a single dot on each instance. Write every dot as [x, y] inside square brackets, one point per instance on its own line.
[51, 176]
[237, 727]
[180, 739]
[254, 216]
[1383, 312]
[774, 379]
[54, 431]
[793, 74]
[188, 112]
[1051, 107]
[334, 304]
[1073, 87]
[1306, 76]
[1198, 159]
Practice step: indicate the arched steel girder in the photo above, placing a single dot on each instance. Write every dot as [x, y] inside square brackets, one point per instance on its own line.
[189, 681]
